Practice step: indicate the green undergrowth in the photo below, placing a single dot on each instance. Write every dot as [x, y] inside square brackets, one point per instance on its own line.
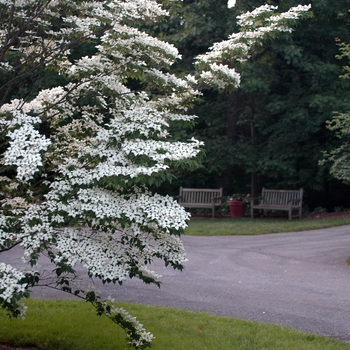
[73, 325]
[247, 226]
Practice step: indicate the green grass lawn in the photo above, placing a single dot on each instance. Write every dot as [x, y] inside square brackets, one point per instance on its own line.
[73, 325]
[247, 226]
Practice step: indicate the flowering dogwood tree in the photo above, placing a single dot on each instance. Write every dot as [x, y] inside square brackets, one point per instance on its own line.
[220, 67]
[78, 158]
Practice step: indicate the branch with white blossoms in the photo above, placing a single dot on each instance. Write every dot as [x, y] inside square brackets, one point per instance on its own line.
[219, 75]
[137, 335]
[216, 67]
[12, 289]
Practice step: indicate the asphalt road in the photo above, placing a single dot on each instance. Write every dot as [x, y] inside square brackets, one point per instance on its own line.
[299, 280]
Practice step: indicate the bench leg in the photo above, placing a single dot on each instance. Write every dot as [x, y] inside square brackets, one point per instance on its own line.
[213, 212]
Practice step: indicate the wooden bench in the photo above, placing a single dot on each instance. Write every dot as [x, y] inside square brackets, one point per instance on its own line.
[287, 200]
[200, 198]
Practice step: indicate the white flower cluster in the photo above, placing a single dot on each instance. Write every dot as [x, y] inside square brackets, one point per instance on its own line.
[163, 210]
[143, 335]
[126, 39]
[5, 66]
[7, 237]
[219, 75]
[6, 2]
[159, 151]
[249, 18]
[256, 26]
[137, 9]
[169, 79]
[45, 101]
[18, 117]
[10, 282]
[104, 255]
[16, 202]
[231, 3]
[100, 256]
[25, 150]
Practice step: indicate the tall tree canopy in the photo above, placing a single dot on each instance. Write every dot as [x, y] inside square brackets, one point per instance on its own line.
[246, 54]
[272, 129]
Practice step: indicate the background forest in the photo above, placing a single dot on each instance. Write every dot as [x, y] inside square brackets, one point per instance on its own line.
[271, 132]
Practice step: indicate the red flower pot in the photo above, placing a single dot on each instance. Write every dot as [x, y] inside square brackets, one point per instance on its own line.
[237, 208]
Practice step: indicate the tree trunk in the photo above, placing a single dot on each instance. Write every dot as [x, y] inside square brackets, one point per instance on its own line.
[231, 125]
[253, 183]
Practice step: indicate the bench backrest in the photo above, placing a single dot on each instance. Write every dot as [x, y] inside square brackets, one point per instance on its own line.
[199, 195]
[282, 197]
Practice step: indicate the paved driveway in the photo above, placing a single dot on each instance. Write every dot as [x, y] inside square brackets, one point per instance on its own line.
[299, 280]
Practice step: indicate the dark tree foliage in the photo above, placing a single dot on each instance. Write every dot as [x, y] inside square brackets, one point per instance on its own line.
[271, 132]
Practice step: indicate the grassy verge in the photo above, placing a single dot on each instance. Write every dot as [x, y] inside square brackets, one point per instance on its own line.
[73, 325]
[247, 226]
